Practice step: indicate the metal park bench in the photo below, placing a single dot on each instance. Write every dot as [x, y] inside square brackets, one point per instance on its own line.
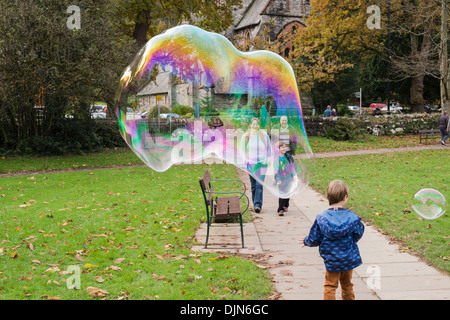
[429, 134]
[225, 207]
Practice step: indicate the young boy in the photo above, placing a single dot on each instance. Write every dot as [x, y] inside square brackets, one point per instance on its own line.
[336, 231]
[284, 176]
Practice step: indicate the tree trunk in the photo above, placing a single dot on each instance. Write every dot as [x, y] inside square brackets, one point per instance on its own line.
[416, 90]
[444, 63]
[141, 28]
[416, 94]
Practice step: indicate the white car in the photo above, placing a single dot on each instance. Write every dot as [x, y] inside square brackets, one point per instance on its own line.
[133, 115]
[168, 115]
[353, 108]
[393, 109]
[98, 112]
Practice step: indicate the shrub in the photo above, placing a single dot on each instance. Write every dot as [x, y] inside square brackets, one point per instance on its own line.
[345, 130]
[209, 111]
[182, 110]
[154, 111]
[69, 136]
[343, 110]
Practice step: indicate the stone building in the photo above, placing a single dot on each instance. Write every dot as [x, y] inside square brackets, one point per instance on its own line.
[281, 16]
[249, 22]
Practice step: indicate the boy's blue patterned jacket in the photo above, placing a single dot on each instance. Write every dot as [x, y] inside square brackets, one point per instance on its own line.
[336, 233]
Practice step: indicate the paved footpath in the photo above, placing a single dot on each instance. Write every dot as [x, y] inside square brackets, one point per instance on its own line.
[387, 273]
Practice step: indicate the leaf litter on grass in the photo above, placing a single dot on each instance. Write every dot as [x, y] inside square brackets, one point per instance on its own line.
[115, 226]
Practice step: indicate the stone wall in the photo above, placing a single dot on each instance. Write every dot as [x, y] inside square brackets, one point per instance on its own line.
[385, 125]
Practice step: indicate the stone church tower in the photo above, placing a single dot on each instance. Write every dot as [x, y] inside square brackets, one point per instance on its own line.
[249, 21]
[280, 15]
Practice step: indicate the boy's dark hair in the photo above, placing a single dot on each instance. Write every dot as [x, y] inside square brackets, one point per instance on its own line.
[279, 144]
[336, 191]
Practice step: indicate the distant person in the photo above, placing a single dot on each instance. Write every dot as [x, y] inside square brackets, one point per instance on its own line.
[256, 150]
[216, 122]
[336, 231]
[443, 123]
[377, 111]
[284, 176]
[333, 113]
[327, 112]
[286, 133]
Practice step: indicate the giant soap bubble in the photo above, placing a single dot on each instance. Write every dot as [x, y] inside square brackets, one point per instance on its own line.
[227, 90]
[429, 203]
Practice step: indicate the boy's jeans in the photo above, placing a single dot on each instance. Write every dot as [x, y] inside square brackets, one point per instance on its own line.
[332, 280]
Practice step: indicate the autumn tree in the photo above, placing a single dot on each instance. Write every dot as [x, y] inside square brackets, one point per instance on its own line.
[141, 19]
[444, 63]
[49, 71]
[335, 39]
[416, 49]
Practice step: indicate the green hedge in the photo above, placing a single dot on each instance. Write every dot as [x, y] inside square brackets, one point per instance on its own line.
[386, 125]
[69, 136]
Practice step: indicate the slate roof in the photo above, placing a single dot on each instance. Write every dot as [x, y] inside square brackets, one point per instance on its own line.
[161, 85]
[252, 16]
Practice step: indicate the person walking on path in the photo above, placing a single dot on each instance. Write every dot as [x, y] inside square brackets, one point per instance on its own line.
[443, 123]
[284, 176]
[333, 113]
[286, 133]
[327, 112]
[336, 231]
[256, 150]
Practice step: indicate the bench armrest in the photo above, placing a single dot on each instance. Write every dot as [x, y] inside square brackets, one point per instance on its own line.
[245, 188]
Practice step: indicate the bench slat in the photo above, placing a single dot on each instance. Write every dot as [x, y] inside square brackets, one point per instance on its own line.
[221, 206]
[234, 206]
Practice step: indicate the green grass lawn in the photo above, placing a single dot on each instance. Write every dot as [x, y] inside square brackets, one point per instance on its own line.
[107, 158]
[319, 144]
[382, 187]
[124, 156]
[128, 230]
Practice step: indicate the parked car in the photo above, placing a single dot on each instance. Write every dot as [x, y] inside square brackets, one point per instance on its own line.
[133, 115]
[353, 108]
[169, 115]
[98, 111]
[392, 109]
[375, 105]
[429, 109]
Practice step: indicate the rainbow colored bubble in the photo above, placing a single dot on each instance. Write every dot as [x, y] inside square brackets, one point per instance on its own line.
[225, 91]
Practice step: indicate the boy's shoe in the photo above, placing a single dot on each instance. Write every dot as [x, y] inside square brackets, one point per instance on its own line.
[281, 213]
[257, 210]
[443, 143]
